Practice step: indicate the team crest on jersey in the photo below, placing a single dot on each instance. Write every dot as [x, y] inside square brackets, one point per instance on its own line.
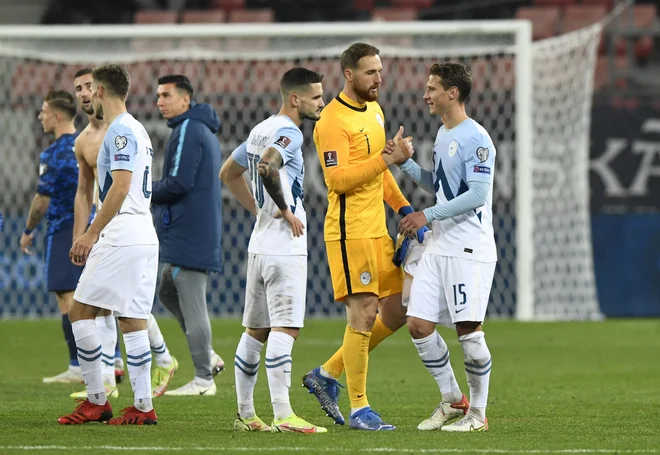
[453, 148]
[379, 119]
[120, 142]
[482, 154]
[365, 278]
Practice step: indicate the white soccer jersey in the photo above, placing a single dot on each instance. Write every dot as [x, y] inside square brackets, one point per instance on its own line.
[127, 146]
[272, 236]
[463, 154]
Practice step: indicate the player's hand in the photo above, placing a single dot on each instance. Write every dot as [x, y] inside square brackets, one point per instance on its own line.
[25, 242]
[297, 228]
[411, 223]
[389, 147]
[403, 149]
[81, 247]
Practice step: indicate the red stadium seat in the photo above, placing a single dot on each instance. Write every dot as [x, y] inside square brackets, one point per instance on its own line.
[606, 3]
[545, 20]
[363, 5]
[223, 77]
[602, 73]
[333, 77]
[554, 2]
[394, 14]
[34, 80]
[580, 16]
[417, 4]
[156, 17]
[204, 17]
[252, 15]
[228, 4]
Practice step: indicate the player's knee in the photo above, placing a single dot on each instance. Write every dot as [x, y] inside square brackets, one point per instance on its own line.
[260, 335]
[465, 328]
[420, 328]
[79, 311]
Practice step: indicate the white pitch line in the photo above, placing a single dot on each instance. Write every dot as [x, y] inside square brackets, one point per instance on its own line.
[334, 450]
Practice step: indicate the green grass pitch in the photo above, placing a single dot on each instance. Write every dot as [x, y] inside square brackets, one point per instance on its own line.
[580, 387]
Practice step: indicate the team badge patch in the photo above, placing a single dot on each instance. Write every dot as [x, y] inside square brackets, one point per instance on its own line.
[330, 158]
[283, 141]
[453, 148]
[120, 157]
[365, 278]
[482, 154]
[482, 169]
[120, 142]
[379, 119]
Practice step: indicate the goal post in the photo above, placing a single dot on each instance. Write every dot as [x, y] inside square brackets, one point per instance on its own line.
[236, 68]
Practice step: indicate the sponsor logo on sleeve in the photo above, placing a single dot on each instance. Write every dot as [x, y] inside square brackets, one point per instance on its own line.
[482, 154]
[120, 142]
[283, 141]
[330, 158]
[482, 169]
[120, 157]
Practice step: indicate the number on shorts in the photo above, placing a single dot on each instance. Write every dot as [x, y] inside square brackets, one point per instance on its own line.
[459, 290]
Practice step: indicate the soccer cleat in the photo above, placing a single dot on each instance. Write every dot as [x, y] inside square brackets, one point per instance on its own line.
[467, 424]
[217, 364]
[110, 392]
[443, 413]
[252, 424]
[191, 389]
[161, 376]
[133, 416]
[119, 370]
[294, 424]
[368, 419]
[87, 411]
[326, 391]
[71, 376]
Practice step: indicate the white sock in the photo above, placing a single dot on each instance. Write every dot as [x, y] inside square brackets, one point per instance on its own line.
[246, 365]
[435, 355]
[157, 343]
[477, 367]
[107, 327]
[89, 347]
[278, 370]
[138, 359]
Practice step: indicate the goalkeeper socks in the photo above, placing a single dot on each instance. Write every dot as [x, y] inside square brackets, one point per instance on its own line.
[138, 360]
[70, 341]
[477, 367]
[356, 359]
[157, 343]
[89, 349]
[278, 370]
[435, 355]
[334, 367]
[107, 327]
[246, 366]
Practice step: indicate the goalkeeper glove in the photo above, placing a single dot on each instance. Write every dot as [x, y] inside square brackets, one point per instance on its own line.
[401, 250]
[420, 232]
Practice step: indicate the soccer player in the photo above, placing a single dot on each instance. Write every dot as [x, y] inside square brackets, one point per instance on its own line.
[87, 148]
[120, 253]
[277, 264]
[453, 279]
[54, 198]
[349, 138]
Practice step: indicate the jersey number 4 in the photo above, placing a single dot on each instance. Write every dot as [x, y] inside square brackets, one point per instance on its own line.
[257, 184]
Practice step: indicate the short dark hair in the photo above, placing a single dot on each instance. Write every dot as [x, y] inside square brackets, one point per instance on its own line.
[454, 74]
[351, 56]
[114, 79]
[180, 81]
[82, 72]
[62, 101]
[297, 77]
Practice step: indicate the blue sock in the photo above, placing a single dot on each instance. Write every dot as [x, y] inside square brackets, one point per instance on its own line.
[70, 341]
[117, 348]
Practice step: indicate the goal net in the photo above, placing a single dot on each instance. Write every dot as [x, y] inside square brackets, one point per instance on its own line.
[534, 99]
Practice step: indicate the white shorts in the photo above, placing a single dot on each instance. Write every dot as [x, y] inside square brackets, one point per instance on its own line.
[121, 279]
[275, 291]
[415, 252]
[447, 290]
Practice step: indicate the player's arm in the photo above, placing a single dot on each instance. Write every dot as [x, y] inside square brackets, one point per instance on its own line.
[421, 176]
[392, 194]
[40, 202]
[183, 169]
[82, 206]
[231, 175]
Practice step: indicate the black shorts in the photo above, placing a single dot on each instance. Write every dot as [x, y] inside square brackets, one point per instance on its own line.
[61, 274]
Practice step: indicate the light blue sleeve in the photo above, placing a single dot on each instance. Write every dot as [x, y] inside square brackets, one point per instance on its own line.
[288, 141]
[121, 144]
[421, 176]
[240, 155]
[473, 198]
[479, 158]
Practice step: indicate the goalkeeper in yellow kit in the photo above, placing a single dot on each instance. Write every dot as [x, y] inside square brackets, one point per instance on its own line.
[350, 140]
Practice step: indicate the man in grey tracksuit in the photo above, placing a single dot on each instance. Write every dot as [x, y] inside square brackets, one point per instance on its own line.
[187, 206]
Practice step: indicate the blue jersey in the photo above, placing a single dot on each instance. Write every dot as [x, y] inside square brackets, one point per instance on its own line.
[58, 179]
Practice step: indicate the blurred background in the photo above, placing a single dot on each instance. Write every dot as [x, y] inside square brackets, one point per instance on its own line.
[622, 124]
